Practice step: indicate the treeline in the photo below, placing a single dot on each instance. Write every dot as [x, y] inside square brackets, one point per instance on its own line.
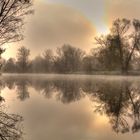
[117, 51]
[66, 59]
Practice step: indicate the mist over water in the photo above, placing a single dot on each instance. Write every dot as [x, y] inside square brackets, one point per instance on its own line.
[74, 107]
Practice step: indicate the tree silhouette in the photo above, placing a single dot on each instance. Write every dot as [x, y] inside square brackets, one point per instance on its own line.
[121, 43]
[10, 124]
[23, 59]
[11, 20]
[68, 59]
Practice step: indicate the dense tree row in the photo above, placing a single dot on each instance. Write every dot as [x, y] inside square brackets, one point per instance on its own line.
[66, 59]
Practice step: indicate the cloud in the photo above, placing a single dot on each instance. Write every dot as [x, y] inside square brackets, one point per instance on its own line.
[53, 25]
[94, 10]
[72, 22]
[123, 9]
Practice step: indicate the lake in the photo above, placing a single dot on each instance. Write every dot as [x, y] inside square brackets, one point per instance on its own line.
[69, 107]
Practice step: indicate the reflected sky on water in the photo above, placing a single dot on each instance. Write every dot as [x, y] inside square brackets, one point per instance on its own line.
[72, 107]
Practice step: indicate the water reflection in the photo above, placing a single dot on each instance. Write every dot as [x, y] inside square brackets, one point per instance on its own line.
[10, 124]
[119, 100]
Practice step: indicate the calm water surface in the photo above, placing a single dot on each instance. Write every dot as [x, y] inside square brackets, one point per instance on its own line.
[69, 107]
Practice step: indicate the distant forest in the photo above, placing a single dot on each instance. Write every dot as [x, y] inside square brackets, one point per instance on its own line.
[117, 51]
[66, 59]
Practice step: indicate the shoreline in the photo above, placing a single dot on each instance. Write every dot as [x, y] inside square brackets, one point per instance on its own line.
[105, 73]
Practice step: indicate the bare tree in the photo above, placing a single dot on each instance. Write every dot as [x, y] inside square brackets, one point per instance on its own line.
[48, 60]
[10, 125]
[68, 59]
[124, 37]
[37, 64]
[23, 59]
[11, 19]
[12, 13]
[9, 65]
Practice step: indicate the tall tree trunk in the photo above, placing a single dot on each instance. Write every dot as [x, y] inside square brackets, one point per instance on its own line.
[123, 70]
[127, 63]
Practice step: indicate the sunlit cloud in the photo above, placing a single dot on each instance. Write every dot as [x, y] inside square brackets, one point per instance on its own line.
[94, 10]
[60, 25]
[74, 22]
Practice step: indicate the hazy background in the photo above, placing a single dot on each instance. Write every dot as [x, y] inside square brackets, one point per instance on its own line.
[74, 22]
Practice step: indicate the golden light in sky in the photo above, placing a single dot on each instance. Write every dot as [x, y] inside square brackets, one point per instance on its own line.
[11, 50]
[74, 22]
[103, 31]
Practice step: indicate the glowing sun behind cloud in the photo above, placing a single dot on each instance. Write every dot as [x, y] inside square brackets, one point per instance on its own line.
[11, 50]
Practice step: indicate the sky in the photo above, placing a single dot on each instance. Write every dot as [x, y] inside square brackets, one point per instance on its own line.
[75, 22]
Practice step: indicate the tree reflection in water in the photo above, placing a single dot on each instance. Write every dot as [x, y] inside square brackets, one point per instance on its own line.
[10, 124]
[119, 100]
